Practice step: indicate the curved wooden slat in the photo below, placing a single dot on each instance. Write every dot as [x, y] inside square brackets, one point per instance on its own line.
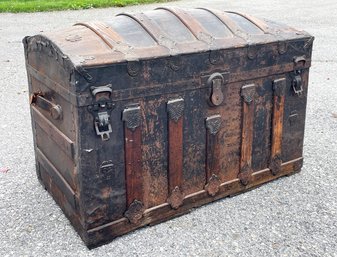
[106, 33]
[191, 23]
[153, 30]
[257, 22]
[228, 22]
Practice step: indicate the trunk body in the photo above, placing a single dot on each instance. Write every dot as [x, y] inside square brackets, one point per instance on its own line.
[127, 136]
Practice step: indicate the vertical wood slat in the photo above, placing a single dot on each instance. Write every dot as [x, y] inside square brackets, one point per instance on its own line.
[175, 110]
[133, 163]
[213, 124]
[133, 167]
[279, 86]
[247, 94]
[175, 154]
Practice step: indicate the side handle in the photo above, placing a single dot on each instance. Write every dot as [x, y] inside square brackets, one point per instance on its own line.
[54, 110]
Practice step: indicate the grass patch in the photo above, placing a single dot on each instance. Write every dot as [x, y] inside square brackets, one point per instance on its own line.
[15, 6]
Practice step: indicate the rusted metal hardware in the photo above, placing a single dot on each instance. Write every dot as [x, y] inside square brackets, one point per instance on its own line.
[213, 185]
[176, 198]
[54, 110]
[275, 164]
[135, 212]
[248, 93]
[184, 107]
[133, 68]
[216, 82]
[175, 108]
[131, 116]
[213, 124]
[297, 84]
[101, 110]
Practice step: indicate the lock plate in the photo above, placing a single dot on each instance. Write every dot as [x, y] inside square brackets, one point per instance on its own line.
[216, 82]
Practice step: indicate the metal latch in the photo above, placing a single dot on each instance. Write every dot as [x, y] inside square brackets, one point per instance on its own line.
[299, 64]
[216, 81]
[101, 111]
[102, 125]
[297, 83]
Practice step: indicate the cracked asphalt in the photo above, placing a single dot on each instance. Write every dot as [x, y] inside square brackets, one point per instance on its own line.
[293, 216]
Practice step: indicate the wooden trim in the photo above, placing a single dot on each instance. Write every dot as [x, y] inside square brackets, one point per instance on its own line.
[54, 133]
[247, 93]
[279, 87]
[175, 151]
[213, 124]
[133, 159]
[257, 22]
[58, 179]
[190, 23]
[133, 165]
[104, 32]
[52, 85]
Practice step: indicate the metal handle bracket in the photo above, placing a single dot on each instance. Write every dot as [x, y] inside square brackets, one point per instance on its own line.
[54, 110]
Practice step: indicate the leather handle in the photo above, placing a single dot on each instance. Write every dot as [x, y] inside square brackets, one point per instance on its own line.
[54, 110]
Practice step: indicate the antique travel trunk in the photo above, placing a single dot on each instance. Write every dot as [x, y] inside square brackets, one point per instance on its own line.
[140, 118]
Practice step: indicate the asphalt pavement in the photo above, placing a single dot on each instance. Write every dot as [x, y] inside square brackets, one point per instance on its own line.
[293, 216]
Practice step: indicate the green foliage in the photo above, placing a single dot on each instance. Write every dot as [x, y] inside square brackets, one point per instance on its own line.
[15, 6]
